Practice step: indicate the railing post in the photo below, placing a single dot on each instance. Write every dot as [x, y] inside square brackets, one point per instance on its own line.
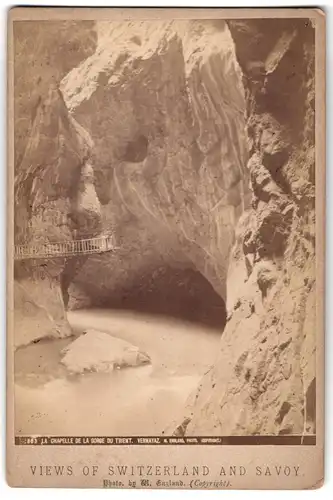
[72, 247]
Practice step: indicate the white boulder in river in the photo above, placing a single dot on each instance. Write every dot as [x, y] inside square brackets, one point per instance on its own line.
[97, 351]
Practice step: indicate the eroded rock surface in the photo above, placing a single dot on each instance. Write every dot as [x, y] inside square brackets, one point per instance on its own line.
[97, 351]
[263, 381]
[164, 105]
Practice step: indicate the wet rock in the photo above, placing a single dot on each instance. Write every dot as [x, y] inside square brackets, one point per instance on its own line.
[97, 351]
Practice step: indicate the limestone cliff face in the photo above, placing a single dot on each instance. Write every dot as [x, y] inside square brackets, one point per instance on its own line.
[263, 381]
[52, 154]
[40, 62]
[164, 105]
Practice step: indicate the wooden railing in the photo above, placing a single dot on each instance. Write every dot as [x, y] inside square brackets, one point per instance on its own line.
[64, 249]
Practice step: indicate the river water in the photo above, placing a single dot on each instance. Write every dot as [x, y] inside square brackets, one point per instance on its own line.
[143, 400]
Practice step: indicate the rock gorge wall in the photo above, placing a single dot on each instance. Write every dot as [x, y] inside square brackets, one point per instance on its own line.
[164, 105]
[40, 62]
[263, 381]
[52, 152]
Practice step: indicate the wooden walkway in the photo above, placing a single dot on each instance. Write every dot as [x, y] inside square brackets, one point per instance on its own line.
[64, 249]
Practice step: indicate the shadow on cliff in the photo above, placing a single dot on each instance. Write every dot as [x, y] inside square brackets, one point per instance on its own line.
[166, 291]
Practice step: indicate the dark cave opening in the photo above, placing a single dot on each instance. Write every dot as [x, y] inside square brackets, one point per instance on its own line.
[179, 293]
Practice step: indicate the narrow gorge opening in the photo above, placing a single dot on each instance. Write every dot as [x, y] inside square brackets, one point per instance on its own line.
[149, 273]
[166, 291]
[169, 159]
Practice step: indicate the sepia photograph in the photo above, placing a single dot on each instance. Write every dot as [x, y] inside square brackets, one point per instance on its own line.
[167, 246]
